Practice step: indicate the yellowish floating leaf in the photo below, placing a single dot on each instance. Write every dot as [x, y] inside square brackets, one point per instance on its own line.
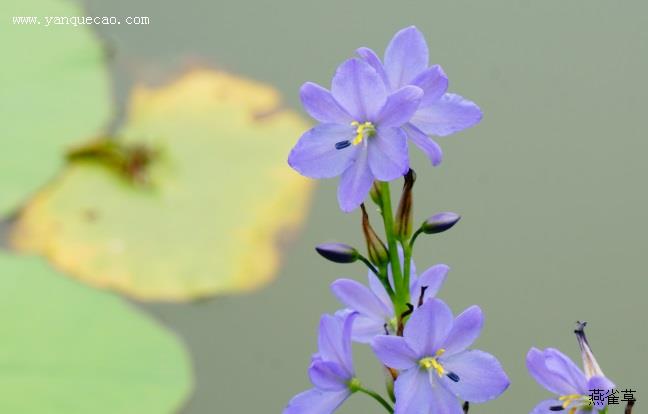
[67, 348]
[219, 195]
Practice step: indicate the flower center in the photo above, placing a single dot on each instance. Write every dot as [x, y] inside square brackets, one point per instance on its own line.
[578, 401]
[364, 130]
[430, 363]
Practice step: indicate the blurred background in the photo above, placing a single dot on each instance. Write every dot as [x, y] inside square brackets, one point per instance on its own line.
[551, 184]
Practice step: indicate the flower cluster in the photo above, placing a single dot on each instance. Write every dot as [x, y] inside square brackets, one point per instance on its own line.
[373, 110]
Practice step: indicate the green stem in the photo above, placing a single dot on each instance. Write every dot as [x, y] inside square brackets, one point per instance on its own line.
[384, 279]
[407, 253]
[369, 265]
[413, 239]
[401, 297]
[378, 398]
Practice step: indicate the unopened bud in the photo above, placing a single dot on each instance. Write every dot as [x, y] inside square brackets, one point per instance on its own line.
[405, 211]
[440, 222]
[338, 252]
[376, 249]
[375, 194]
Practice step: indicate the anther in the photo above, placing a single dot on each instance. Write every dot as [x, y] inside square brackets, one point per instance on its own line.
[422, 296]
[342, 144]
[454, 377]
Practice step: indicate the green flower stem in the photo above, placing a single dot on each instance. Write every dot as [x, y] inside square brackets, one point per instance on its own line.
[369, 265]
[401, 294]
[413, 239]
[384, 279]
[407, 253]
[378, 398]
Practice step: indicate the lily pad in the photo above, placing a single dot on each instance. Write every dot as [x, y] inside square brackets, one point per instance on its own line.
[219, 197]
[67, 348]
[54, 91]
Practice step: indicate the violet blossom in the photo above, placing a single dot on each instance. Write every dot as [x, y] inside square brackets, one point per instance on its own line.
[440, 113]
[331, 370]
[435, 367]
[375, 308]
[558, 374]
[359, 136]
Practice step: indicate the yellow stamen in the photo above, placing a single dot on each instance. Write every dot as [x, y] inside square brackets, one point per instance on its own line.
[432, 363]
[568, 399]
[366, 129]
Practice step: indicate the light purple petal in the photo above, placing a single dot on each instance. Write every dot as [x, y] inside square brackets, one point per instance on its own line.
[465, 330]
[426, 144]
[378, 289]
[334, 340]
[432, 279]
[348, 319]
[328, 376]
[428, 327]
[481, 376]
[358, 297]
[444, 401]
[400, 107]
[388, 157]
[320, 104]
[373, 60]
[357, 87]
[405, 57]
[434, 83]
[598, 382]
[315, 401]
[315, 154]
[365, 329]
[450, 114]
[560, 364]
[413, 392]
[355, 182]
[555, 371]
[394, 352]
[545, 407]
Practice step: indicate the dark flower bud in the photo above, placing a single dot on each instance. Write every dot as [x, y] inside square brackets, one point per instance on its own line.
[376, 249]
[338, 252]
[405, 213]
[440, 222]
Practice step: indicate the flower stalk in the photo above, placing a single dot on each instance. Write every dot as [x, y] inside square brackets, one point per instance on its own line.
[376, 397]
[628, 409]
[401, 296]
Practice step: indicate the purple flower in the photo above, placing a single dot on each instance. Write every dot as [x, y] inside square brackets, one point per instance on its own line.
[439, 113]
[375, 309]
[359, 136]
[557, 373]
[434, 366]
[331, 370]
